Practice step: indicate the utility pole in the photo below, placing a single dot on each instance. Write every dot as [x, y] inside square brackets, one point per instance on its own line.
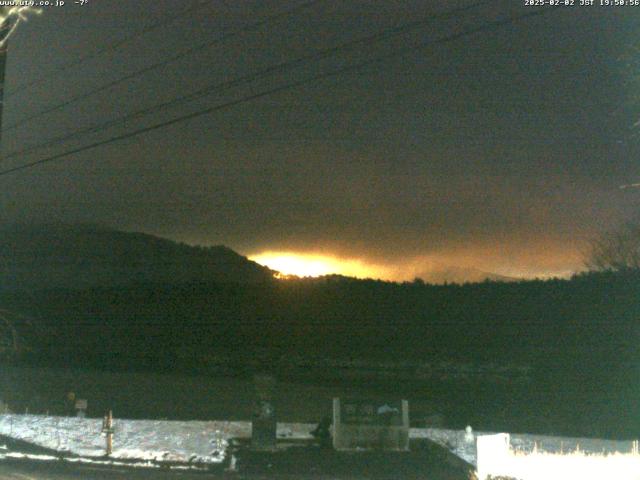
[3, 65]
[5, 31]
[10, 17]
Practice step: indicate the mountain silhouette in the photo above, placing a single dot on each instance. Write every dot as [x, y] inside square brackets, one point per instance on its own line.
[78, 257]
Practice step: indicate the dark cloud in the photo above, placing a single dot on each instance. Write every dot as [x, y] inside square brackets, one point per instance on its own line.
[503, 150]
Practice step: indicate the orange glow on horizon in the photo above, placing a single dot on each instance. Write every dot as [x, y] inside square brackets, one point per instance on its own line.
[315, 265]
[453, 267]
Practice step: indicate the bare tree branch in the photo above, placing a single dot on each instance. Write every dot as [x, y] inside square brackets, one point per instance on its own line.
[616, 251]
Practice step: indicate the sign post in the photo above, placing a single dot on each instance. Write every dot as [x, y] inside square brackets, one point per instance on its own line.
[263, 434]
[107, 429]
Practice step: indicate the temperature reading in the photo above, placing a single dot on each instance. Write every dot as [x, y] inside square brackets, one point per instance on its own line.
[81, 2]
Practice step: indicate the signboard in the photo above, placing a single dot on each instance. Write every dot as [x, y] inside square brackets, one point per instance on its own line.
[81, 407]
[371, 412]
[370, 424]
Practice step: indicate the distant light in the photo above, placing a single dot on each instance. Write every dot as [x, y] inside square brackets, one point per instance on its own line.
[313, 265]
[297, 265]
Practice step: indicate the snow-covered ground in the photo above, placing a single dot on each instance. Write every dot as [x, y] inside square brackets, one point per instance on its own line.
[162, 441]
[206, 441]
[147, 440]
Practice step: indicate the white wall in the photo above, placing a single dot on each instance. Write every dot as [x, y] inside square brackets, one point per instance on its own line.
[497, 457]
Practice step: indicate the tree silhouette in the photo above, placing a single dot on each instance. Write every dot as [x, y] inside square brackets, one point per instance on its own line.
[616, 251]
[9, 339]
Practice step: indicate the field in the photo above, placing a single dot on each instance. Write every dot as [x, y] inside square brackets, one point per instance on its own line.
[537, 404]
[298, 398]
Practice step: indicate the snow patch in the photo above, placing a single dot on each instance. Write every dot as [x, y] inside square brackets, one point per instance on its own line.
[458, 442]
[146, 440]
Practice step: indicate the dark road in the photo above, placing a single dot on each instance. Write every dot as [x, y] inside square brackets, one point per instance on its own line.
[55, 470]
[43, 470]
[296, 463]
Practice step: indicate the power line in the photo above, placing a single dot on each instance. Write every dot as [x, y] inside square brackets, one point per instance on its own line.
[283, 66]
[112, 47]
[494, 25]
[486, 27]
[161, 63]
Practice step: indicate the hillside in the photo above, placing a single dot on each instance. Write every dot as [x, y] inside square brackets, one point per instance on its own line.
[460, 275]
[578, 336]
[80, 257]
[126, 301]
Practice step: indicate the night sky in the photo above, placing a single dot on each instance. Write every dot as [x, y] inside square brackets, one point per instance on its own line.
[502, 150]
